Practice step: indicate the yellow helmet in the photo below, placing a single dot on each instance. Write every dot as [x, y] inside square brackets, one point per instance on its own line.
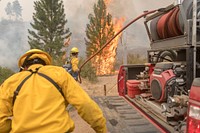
[35, 53]
[74, 50]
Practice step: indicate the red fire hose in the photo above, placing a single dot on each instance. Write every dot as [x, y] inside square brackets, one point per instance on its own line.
[134, 20]
[168, 25]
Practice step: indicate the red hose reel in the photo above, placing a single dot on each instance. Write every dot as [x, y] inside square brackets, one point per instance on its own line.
[168, 25]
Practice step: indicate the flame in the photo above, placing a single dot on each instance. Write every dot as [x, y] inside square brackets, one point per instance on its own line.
[65, 46]
[105, 63]
[107, 2]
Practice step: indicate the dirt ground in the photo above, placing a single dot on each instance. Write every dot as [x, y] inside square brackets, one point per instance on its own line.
[94, 89]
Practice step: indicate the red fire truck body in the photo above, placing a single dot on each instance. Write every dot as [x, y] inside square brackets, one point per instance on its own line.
[168, 85]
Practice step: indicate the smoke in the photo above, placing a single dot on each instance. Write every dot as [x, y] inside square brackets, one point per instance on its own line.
[13, 42]
[6, 56]
[77, 14]
[13, 36]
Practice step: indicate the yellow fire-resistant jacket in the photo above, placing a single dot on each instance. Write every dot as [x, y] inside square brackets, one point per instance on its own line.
[40, 107]
[74, 62]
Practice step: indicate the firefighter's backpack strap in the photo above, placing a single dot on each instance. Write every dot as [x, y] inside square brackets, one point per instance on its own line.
[52, 81]
[16, 92]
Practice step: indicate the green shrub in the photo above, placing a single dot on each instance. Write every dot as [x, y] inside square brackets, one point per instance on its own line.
[58, 62]
[5, 73]
[131, 59]
[136, 59]
[88, 71]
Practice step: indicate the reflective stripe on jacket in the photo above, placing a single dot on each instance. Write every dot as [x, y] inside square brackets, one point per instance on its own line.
[40, 107]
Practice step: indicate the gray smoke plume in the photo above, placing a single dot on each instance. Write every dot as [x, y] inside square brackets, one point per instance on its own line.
[13, 36]
[134, 36]
[13, 42]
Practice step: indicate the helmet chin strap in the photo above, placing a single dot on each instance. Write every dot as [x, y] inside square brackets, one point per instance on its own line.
[24, 63]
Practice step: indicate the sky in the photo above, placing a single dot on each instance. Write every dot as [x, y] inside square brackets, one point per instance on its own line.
[77, 12]
[71, 6]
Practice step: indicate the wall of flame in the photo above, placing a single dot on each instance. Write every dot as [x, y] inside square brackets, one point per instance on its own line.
[108, 56]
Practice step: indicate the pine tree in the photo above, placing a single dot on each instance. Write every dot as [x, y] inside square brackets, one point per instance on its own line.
[17, 9]
[49, 27]
[98, 32]
[14, 9]
[8, 10]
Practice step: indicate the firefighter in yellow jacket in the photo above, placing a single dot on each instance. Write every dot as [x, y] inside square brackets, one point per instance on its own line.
[34, 100]
[71, 65]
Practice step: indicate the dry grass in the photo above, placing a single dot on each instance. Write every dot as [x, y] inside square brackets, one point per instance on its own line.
[97, 88]
[94, 89]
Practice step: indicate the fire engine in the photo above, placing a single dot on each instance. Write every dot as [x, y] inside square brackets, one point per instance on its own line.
[167, 88]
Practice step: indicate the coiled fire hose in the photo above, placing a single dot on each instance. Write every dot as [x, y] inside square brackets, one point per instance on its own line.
[134, 20]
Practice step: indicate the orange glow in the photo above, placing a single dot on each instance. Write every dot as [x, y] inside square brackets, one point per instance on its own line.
[65, 46]
[105, 63]
[64, 57]
[107, 2]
